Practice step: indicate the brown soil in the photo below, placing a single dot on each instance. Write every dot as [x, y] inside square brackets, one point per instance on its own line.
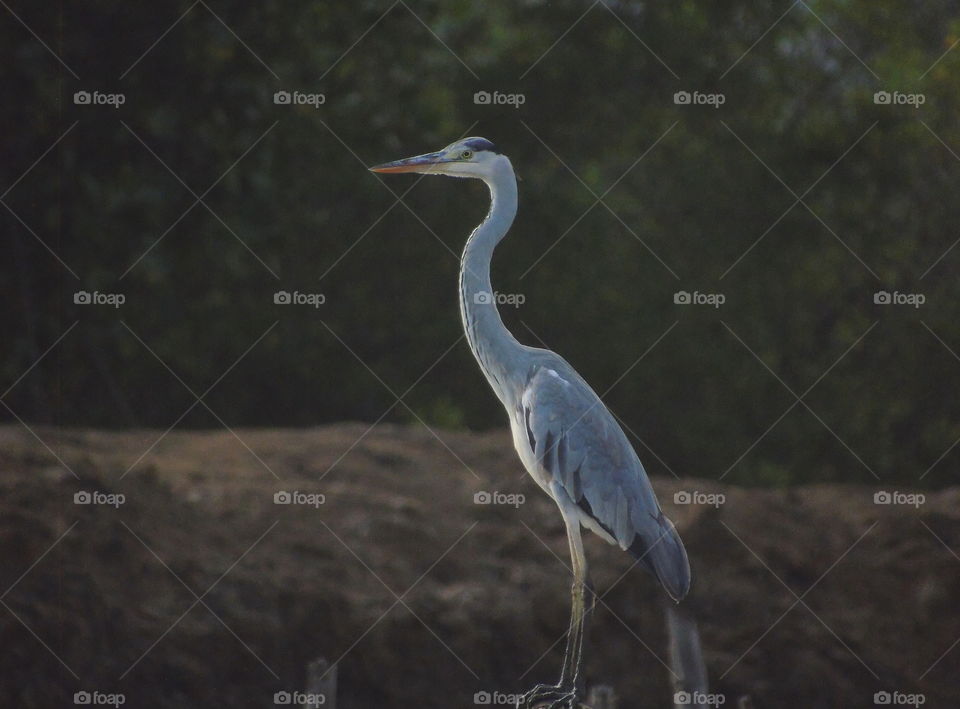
[284, 584]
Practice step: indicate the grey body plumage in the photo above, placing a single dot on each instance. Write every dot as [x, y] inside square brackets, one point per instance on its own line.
[576, 442]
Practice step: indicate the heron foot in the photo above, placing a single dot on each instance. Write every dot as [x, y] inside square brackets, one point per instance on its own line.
[548, 696]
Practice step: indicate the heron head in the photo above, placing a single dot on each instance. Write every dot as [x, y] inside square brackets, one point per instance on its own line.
[470, 157]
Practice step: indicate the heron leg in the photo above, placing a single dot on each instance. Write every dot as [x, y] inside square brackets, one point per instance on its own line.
[570, 678]
[565, 694]
[545, 695]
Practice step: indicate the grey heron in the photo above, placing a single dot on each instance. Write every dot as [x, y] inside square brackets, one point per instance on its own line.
[566, 438]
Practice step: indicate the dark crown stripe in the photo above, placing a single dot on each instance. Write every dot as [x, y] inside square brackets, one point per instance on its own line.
[480, 144]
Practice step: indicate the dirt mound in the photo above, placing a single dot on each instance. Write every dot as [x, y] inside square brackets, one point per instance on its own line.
[196, 588]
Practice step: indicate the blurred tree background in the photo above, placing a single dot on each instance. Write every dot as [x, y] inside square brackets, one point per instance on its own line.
[797, 199]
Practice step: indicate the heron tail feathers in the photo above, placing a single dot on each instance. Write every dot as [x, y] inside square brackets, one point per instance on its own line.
[665, 557]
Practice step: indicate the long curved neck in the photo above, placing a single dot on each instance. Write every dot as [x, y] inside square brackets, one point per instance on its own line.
[492, 344]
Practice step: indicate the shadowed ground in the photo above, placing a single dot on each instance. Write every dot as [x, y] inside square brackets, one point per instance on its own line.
[489, 592]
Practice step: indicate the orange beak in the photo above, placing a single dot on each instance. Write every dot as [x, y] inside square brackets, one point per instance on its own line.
[419, 163]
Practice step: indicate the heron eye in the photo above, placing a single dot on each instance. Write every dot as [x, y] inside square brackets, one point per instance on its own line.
[466, 155]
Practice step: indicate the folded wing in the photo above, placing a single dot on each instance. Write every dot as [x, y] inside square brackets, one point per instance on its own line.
[579, 445]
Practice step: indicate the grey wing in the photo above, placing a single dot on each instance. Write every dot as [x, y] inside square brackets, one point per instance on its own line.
[579, 445]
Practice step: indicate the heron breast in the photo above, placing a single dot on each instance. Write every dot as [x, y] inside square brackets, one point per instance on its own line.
[522, 445]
